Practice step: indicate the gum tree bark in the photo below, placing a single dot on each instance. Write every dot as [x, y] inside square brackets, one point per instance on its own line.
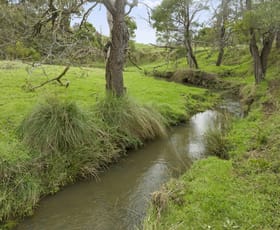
[260, 56]
[222, 18]
[118, 45]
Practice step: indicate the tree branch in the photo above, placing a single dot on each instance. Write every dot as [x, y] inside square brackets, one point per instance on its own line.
[53, 79]
[131, 6]
[86, 14]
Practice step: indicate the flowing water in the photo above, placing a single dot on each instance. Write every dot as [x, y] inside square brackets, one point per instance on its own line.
[119, 199]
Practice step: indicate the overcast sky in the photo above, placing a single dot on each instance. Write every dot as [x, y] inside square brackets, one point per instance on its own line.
[144, 33]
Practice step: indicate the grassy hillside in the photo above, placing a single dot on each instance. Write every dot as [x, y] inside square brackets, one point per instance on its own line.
[242, 192]
[53, 135]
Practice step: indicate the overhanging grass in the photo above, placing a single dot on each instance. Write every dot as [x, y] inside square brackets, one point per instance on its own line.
[242, 193]
[50, 126]
[211, 197]
[134, 121]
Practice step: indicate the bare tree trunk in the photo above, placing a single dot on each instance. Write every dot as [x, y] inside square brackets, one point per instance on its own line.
[116, 60]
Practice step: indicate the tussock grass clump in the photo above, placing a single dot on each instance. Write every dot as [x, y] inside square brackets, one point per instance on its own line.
[217, 143]
[134, 122]
[55, 126]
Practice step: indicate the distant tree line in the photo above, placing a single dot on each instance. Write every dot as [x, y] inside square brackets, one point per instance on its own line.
[230, 23]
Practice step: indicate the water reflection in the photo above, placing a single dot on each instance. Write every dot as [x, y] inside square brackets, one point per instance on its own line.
[199, 124]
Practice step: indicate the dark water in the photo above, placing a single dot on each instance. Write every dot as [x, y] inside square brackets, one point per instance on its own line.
[119, 199]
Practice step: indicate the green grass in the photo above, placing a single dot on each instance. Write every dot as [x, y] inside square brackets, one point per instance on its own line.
[211, 197]
[243, 192]
[53, 135]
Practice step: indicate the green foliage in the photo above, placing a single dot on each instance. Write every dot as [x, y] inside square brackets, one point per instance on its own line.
[20, 51]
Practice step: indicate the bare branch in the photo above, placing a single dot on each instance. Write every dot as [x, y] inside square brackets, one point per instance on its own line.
[86, 14]
[54, 79]
[131, 6]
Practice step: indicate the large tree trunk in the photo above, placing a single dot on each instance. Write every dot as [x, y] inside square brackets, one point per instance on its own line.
[118, 48]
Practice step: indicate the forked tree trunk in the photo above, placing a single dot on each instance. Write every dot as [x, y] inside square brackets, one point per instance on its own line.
[191, 59]
[116, 60]
[260, 58]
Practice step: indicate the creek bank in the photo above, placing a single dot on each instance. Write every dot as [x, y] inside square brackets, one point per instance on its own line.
[240, 193]
[197, 78]
[36, 175]
[121, 198]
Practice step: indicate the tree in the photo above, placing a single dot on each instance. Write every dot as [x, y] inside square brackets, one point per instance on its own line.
[119, 44]
[175, 21]
[53, 21]
[261, 19]
[222, 21]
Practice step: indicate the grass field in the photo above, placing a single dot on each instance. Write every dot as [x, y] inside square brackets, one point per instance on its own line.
[242, 192]
[39, 149]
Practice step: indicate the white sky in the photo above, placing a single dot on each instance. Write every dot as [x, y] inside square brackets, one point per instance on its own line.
[144, 33]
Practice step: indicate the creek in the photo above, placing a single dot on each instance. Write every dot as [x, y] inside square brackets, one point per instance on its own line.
[120, 197]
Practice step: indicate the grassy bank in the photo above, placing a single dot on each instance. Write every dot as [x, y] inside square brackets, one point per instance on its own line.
[242, 192]
[54, 135]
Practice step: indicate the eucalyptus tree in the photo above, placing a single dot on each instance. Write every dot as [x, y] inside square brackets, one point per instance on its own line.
[261, 19]
[175, 22]
[222, 21]
[53, 18]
